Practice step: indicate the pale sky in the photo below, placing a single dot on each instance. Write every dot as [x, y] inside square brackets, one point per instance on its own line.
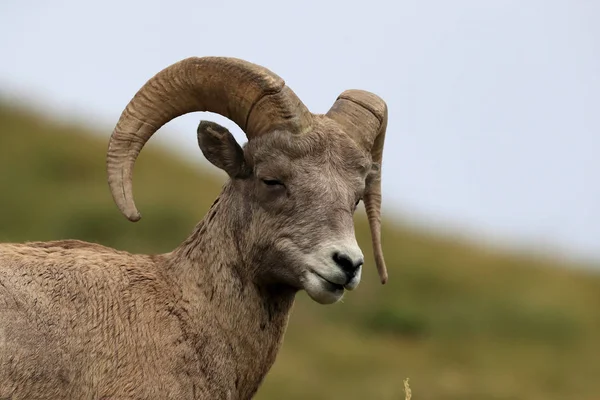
[494, 126]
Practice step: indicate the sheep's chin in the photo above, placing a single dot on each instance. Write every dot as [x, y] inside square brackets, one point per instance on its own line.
[322, 291]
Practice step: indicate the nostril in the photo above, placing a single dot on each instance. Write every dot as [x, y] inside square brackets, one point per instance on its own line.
[346, 263]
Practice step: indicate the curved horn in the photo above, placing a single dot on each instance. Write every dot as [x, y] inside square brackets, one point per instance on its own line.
[253, 97]
[363, 116]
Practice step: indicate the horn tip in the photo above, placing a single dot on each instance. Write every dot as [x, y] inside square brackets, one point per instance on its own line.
[384, 278]
[133, 216]
[381, 268]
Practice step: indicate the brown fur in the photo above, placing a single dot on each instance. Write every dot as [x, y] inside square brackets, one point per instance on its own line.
[205, 321]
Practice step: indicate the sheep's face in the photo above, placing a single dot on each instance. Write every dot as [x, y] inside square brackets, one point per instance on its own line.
[298, 196]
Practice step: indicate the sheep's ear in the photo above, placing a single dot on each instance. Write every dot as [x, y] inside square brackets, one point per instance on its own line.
[220, 148]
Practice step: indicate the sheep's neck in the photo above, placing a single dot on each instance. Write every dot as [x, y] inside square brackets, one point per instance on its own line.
[234, 323]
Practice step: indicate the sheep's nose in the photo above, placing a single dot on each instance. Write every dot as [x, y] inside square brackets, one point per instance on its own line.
[347, 263]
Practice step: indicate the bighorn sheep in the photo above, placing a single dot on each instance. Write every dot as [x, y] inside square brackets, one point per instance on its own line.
[205, 321]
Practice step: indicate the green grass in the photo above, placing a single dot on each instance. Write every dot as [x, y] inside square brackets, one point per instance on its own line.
[461, 321]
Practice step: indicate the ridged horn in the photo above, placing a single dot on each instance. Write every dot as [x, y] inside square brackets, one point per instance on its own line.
[253, 97]
[363, 116]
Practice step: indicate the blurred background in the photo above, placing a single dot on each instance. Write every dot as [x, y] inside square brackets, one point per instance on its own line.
[490, 179]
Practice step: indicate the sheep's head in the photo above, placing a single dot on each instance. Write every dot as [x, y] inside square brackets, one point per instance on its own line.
[301, 175]
[298, 196]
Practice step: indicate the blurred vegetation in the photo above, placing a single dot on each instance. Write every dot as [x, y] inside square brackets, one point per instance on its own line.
[461, 321]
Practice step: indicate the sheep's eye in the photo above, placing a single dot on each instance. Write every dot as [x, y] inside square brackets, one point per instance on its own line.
[272, 182]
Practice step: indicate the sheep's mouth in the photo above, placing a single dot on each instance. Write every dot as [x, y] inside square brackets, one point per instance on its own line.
[331, 286]
[322, 290]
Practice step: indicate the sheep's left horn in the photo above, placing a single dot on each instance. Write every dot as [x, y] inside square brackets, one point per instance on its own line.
[363, 116]
[253, 97]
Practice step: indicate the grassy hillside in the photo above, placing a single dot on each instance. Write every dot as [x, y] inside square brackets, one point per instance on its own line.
[463, 322]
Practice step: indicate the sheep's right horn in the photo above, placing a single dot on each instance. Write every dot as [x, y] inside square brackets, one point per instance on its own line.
[253, 97]
[363, 116]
